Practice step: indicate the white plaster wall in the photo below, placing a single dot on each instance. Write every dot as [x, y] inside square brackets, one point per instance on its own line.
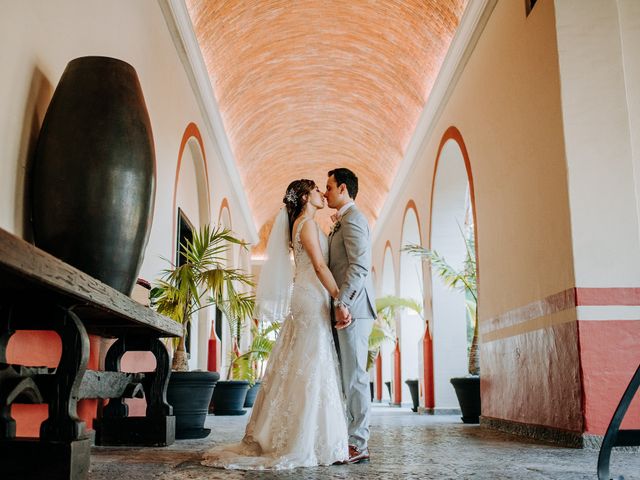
[40, 38]
[506, 106]
[388, 287]
[225, 350]
[449, 313]
[598, 138]
[411, 324]
[629, 18]
[188, 202]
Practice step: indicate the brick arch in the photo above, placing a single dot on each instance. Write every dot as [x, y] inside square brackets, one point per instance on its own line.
[452, 133]
[411, 205]
[387, 246]
[225, 204]
[191, 131]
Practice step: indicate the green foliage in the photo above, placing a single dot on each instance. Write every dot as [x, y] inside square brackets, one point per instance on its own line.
[202, 281]
[464, 279]
[250, 365]
[384, 324]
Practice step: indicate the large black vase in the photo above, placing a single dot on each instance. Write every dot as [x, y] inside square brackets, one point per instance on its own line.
[94, 172]
[190, 394]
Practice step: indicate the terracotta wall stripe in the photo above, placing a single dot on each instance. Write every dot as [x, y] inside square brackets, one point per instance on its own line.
[607, 296]
[538, 308]
[583, 304]
[556, 318]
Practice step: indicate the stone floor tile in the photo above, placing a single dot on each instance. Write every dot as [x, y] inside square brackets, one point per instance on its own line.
[403, 445]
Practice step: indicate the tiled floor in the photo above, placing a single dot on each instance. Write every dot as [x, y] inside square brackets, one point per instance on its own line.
[403, 445]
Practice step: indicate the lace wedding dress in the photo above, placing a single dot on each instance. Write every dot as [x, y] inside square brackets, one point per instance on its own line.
[298, 418]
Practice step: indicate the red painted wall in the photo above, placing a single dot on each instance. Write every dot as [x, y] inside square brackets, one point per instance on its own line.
[610, 355]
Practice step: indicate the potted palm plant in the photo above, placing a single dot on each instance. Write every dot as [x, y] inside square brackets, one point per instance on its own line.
[200, 282]
[250, 365]
[230, 395]
[384, 329]
[463, 279]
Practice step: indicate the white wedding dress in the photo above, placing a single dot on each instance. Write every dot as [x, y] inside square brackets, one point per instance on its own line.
[298, 418]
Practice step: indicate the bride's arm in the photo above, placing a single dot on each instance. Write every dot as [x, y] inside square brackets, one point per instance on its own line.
[311, 244]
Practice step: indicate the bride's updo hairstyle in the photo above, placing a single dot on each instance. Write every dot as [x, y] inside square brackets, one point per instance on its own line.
[294, 201]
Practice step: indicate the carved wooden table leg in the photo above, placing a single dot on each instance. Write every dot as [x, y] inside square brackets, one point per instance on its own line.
[157, 428]
[7, 423]
[63, 422]
[63, 449]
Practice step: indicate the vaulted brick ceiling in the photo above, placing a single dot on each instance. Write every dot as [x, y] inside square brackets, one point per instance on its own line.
[304, 86]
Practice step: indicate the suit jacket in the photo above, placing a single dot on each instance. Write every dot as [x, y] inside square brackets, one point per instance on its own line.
[350, 263]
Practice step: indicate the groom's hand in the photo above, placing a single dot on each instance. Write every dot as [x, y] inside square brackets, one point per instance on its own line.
[343, 318]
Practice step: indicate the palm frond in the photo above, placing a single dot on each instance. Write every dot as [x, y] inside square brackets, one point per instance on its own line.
[395, 303]
[203, 281]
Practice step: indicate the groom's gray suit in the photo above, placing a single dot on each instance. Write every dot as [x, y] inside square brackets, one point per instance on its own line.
[350, 264]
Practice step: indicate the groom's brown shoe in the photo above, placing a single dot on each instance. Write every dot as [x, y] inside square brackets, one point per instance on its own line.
[358, 456]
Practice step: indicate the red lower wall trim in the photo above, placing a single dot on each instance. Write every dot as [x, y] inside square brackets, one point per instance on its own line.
[607, 296]
[610, 355]
[607, 321]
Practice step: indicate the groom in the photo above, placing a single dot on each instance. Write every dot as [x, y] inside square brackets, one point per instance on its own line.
[354, 307]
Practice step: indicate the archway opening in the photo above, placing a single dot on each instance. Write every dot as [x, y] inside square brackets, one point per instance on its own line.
[191, 176]
[222, 325]
[387, 287]
[452, 222]
[411, 324]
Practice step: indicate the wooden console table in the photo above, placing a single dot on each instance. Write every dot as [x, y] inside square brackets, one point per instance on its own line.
[40, 292]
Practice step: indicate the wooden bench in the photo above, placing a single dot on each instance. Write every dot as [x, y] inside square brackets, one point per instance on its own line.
[40, 292]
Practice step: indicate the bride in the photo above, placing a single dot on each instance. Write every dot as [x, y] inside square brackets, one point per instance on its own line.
[298, 418]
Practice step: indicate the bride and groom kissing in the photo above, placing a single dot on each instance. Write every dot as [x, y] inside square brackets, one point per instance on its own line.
[313, 407]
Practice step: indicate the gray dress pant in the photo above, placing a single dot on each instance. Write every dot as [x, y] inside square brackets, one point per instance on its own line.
[353, 343]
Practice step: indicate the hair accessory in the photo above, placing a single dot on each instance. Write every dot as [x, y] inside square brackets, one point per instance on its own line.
[291, 197]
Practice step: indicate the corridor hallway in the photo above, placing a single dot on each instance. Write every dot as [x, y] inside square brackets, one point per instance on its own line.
[403, 445]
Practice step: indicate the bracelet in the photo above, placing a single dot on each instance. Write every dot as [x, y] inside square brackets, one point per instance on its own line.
[337, 303]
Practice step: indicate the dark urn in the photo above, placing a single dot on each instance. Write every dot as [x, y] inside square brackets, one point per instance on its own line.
[93, 178]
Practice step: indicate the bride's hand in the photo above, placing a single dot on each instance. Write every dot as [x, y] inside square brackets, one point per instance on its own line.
[343, 317]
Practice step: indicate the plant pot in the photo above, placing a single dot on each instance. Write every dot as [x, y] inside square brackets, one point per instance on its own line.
[93, 178]
[229, 397]
[413, 389]
[251, 394]
[388, 384]
[468, 393]
[190, 394]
